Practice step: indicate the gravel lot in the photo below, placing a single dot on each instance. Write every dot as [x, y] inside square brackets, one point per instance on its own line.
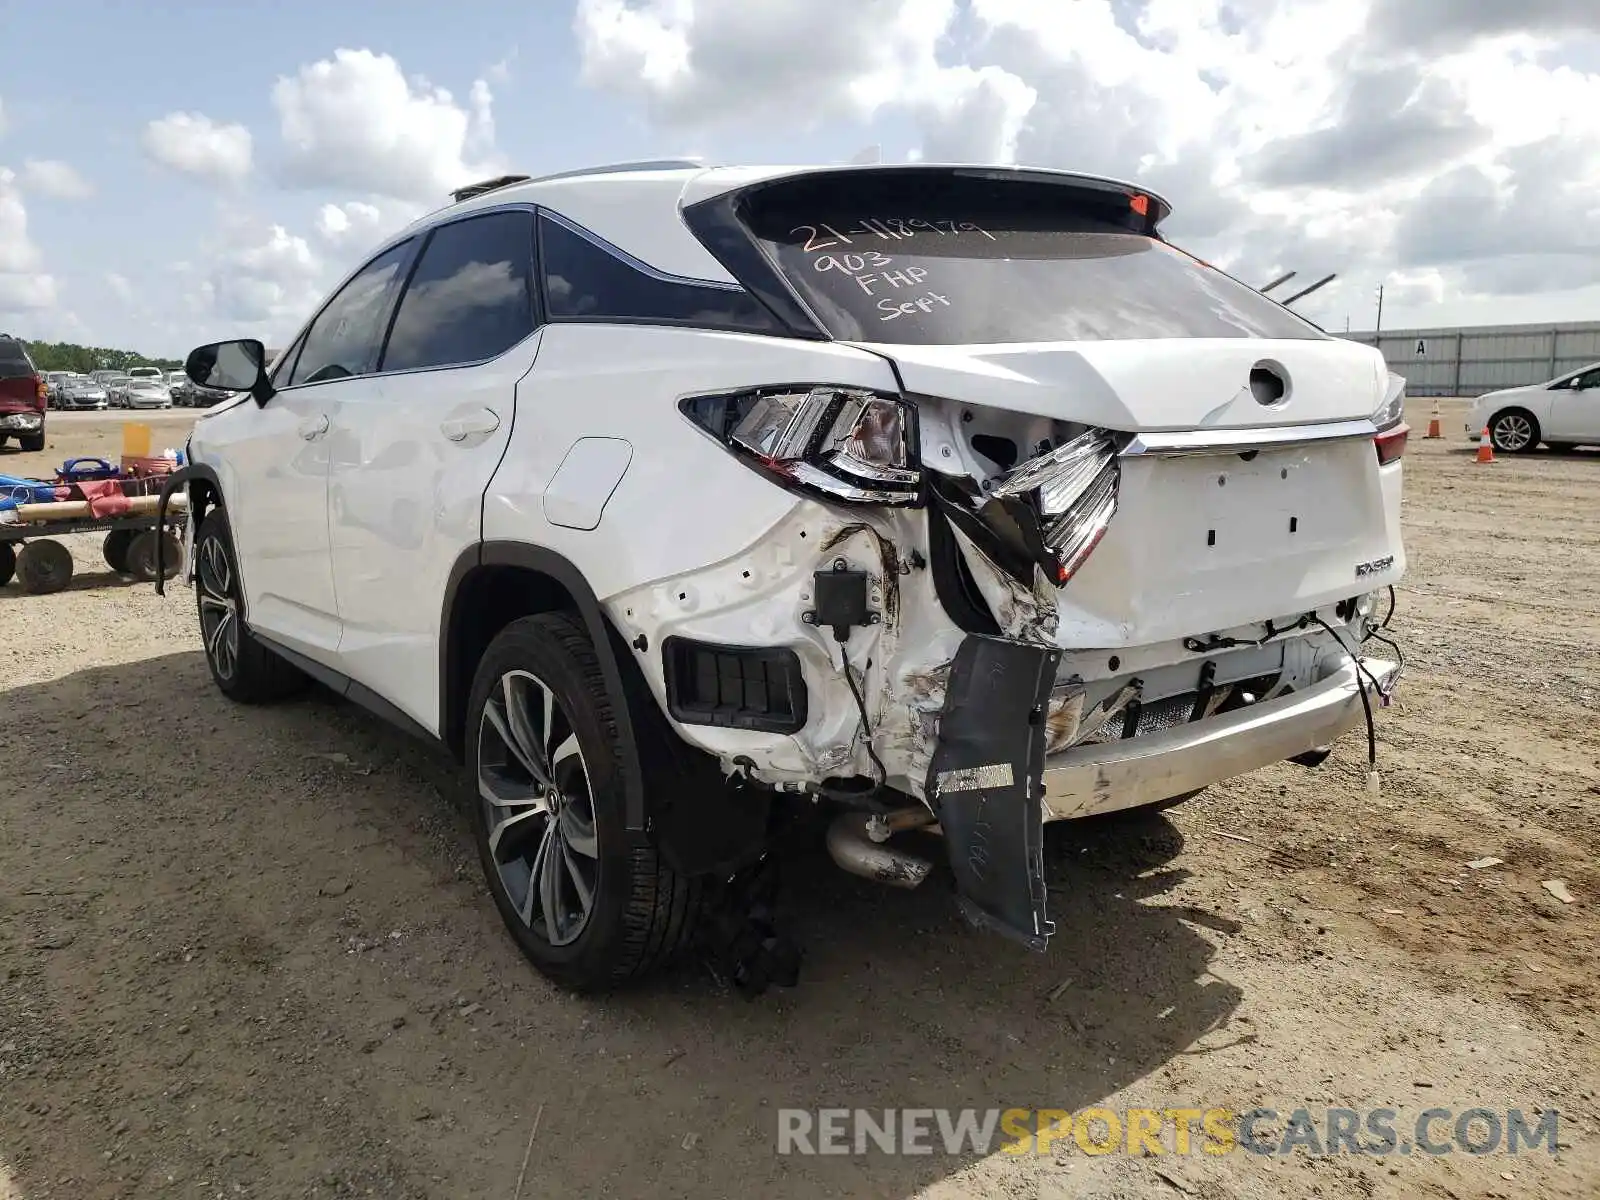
[248, 952]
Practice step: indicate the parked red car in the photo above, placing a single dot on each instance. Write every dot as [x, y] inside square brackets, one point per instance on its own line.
[22, 396]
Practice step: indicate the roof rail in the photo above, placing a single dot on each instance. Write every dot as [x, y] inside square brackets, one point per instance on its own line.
[643, 164]
[486, 185]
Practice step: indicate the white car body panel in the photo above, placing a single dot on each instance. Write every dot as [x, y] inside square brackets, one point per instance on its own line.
[405, 498]
[273, 469]
[1151, 386]
[678, 508]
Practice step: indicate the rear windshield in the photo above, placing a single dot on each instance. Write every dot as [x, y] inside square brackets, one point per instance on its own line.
[924, 259]
[13, 359]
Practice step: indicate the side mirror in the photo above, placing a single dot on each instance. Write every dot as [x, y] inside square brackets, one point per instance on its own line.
[237, 366]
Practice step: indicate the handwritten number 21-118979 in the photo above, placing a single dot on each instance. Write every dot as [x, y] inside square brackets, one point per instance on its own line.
[873, 271]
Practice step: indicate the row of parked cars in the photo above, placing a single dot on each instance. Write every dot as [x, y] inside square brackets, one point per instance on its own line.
[137, 387]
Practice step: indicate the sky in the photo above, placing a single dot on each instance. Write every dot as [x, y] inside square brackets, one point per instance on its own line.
[173, 172]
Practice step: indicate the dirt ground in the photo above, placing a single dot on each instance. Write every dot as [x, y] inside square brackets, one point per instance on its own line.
[248, 952]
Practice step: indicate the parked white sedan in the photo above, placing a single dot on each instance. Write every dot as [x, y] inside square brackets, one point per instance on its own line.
[1562, 413]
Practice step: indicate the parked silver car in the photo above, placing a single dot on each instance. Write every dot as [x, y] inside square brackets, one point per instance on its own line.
[82, 392]
[143, 392]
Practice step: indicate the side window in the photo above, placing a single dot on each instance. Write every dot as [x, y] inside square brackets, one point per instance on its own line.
[344, 340]
[584, 281]
[280, 371]
[470, 297]
[1589, 379]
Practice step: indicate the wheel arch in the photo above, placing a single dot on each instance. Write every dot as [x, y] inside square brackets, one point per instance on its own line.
[204, 491]
[491, 585]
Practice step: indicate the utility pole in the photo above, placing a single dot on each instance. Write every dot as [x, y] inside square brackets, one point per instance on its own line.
[1378, 328]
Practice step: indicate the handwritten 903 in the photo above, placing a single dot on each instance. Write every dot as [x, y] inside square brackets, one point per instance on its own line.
[900, 291]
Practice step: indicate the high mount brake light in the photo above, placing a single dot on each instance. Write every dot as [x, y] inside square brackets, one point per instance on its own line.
[844, 443]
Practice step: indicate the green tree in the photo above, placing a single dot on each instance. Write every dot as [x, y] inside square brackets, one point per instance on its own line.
[68, 356]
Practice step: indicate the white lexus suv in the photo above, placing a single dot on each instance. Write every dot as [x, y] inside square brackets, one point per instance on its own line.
[674, 499]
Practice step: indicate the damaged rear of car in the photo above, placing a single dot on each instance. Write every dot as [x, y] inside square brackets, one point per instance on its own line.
[1118, 532]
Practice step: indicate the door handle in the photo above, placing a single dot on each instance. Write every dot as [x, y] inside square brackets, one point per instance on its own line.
[459, 429]
[315, 427]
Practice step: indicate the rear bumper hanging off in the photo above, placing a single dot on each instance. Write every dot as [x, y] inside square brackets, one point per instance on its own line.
[1157, 766]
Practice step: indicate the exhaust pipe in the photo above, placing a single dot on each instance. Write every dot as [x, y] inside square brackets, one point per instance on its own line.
[853, 846]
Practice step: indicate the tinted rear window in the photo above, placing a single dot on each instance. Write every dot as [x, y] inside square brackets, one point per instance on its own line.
[925, 259]
[13, 359]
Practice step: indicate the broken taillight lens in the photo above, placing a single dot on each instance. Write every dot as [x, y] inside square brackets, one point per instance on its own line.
[1073, 488]
[845, 443]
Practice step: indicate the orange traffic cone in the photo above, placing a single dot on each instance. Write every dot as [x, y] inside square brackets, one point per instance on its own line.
[1485, 446]
[1434, 429]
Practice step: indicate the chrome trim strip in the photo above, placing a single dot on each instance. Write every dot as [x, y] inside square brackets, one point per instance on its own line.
[1235, 441]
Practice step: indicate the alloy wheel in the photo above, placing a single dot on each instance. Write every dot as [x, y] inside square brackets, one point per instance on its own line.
[538, 808]
[1513, 432]
[219, 610]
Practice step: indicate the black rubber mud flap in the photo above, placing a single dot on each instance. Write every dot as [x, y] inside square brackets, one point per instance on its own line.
[986, 783]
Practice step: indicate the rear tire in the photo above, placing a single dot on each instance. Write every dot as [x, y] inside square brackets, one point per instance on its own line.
[242, 668]
[591, 906]
[33, 441]
[44, 567]
[8, 563]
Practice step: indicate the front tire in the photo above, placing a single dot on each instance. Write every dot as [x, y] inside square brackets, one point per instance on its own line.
[1514, 431]
[242, 668]
[590, 906]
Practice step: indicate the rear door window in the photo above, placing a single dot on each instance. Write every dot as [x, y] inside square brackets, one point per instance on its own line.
[920, 258]
[471, 296]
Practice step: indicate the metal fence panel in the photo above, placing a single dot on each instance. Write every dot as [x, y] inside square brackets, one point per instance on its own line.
[1471, 361]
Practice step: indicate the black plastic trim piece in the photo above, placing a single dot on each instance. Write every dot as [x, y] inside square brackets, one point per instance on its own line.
[780, 668]
[716, 223]
[343, 685]
[953, 583]
[985, 781]
[178, 478]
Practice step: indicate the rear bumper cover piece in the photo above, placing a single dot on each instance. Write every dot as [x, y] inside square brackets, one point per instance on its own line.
[1143, 770]
[984, 783]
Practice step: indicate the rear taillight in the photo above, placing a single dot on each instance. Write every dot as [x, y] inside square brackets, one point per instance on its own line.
[842, 443]
[1073, 489]
[1391, 443]
[41, 391]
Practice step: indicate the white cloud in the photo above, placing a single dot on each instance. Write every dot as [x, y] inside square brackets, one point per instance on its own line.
[1304, 134]
[24, 286]
[119, 285]
[354, 121]
[27, 293]
[18, 254]
[196, 145]
[56, 179]
[262, 276]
